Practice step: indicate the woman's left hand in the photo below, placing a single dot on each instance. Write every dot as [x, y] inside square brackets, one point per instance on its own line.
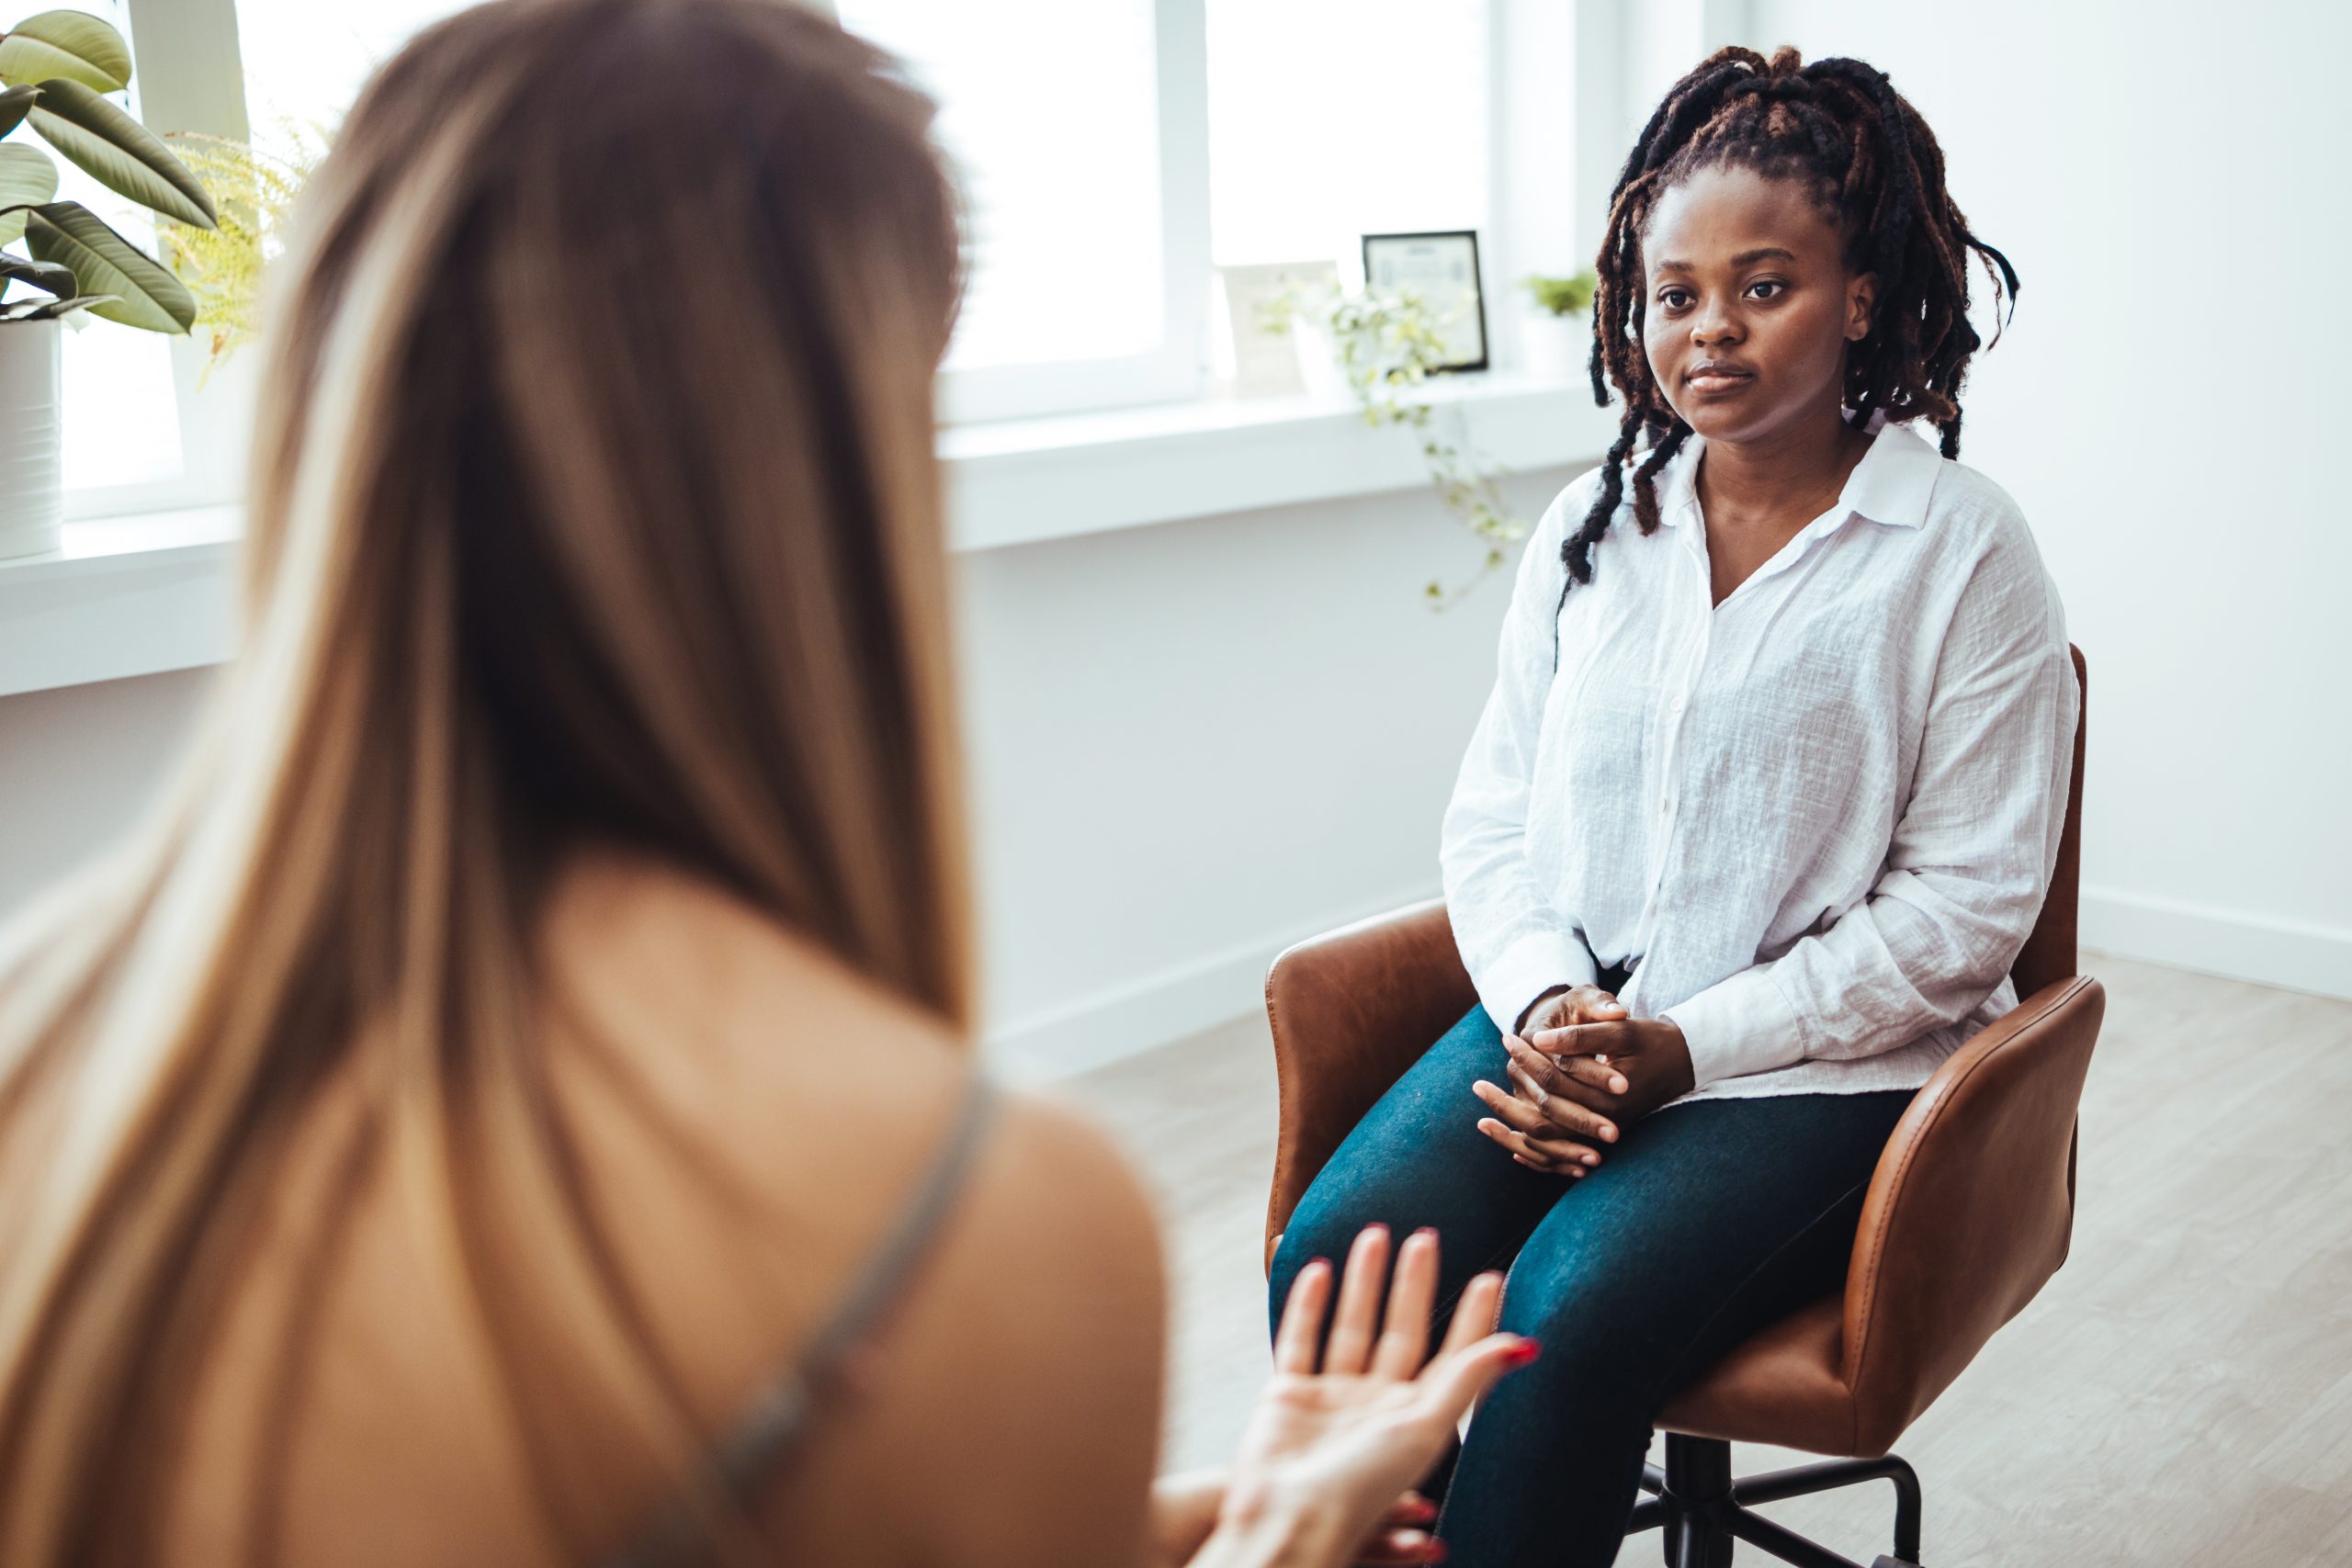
[1648, 1054]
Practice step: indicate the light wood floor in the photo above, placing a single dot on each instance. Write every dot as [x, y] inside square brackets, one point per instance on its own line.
[2181, 1393]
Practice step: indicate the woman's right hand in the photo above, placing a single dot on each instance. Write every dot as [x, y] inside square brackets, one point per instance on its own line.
[1338, 1439]
[1563, 1138]
[1572, 1004]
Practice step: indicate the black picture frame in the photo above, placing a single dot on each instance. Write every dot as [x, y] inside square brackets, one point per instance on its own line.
[1433, 238]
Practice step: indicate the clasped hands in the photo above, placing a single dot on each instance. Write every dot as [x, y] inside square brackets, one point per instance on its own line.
[1582, 1070]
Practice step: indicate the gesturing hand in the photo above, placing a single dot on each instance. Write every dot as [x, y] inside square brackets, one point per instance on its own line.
[1184, 1509]
[1330, 1452]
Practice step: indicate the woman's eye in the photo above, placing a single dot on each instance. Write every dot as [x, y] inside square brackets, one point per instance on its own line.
[1675, 298]
[1772, 286]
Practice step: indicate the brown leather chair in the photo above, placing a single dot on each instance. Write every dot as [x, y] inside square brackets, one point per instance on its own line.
[1968, 1213]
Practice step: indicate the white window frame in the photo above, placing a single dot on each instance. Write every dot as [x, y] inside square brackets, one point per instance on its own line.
[185, 63]
[1176, 369]
[191, 76]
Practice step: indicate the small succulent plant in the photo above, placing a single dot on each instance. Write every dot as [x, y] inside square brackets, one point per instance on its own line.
[56, 70]
[1564, 296]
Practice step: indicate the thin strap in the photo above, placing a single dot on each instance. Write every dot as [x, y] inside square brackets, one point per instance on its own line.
[778, 1419]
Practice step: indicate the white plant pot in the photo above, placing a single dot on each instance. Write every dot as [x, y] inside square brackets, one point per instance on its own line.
[1557, 346]
[33, 419]
[1318, 359]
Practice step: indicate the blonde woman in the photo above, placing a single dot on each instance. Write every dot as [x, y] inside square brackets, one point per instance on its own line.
[512, 1104]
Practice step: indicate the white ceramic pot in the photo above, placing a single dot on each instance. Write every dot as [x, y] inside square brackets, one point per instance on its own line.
[1556, 346]
[1318, 359]
[32, 421]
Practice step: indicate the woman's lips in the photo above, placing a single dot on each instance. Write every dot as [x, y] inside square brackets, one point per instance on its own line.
[1718, 379]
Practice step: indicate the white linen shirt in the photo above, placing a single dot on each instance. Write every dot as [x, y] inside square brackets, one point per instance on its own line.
[1816, 821]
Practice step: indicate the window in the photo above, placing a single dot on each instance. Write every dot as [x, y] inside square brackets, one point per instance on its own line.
[1224, 130]
[1053, 278]
[1329, 122]
[121, 436]
[1111, 151]
[305, 61]
[1086, 250]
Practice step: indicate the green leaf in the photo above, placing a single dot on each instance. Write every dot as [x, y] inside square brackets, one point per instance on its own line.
[54, 310]
[57, 279]
[73, 45]
[106, 263]
[15, 104]
[119, 153]
[27, 179]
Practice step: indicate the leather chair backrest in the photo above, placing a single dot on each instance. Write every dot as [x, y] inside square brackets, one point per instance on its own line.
[1970, 1210]
[1972, 1206]
[2049, 951]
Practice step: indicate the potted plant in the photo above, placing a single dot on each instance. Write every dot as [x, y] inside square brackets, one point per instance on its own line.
[1385, 347]
[1553, 337]
[56, 70]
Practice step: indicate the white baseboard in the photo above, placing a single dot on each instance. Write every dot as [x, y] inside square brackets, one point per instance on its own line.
[2291, 953]
[1127, 1020]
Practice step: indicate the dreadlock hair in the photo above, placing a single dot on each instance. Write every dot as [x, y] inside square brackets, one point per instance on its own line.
[1839, 127]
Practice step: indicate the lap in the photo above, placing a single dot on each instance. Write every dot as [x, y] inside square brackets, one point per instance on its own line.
[1706, 1213]
[1710, 1220]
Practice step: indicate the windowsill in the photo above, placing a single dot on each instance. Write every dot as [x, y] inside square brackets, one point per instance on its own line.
[1028, 480]
[140, 594]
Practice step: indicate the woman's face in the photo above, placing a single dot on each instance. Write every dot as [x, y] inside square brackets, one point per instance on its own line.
[1749, 308]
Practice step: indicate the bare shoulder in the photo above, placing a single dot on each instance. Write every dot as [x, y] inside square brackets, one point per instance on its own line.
[1014, 1413]
[1007, 1407]
[748, 1123]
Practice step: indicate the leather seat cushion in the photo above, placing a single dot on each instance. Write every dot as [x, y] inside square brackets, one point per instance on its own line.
[1786, 1386]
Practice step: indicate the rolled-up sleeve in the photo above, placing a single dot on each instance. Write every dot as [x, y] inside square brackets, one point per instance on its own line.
[1515, 945]
[1969, 864]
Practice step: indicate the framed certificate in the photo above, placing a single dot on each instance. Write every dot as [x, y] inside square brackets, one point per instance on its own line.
[1442, 269]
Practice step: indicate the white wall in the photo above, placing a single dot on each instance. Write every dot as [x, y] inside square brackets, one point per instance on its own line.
[2168, 179]
[1193, 742]
[1190, 745]
[77, 764]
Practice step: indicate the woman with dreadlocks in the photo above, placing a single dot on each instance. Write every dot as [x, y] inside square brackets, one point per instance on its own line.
[1763, 805]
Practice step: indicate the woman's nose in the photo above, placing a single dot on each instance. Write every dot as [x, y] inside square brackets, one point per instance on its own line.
[1714, 325]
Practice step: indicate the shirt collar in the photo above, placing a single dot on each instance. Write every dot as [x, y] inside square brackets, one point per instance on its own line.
[1892, 484]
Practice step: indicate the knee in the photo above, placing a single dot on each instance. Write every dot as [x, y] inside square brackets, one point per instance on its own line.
[1316, 1230]
[1598, 1334]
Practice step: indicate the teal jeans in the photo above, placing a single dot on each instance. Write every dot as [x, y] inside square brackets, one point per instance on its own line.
[1705, 1222]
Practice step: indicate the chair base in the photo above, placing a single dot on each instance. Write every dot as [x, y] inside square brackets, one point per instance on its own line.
[1703, 1510]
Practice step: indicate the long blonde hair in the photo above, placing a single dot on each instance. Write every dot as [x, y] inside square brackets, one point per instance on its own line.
[593, 500]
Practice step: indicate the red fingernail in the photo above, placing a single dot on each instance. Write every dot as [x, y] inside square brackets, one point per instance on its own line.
[1436, 1551]
[1528, 1351]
